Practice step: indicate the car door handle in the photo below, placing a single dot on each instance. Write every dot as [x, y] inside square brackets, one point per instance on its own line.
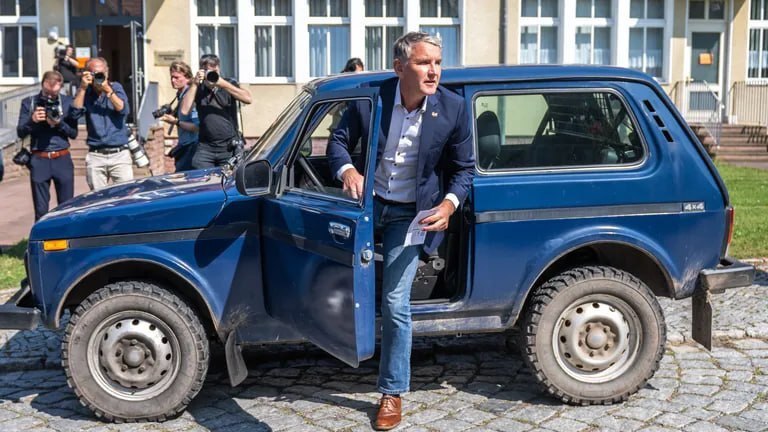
[339, 230]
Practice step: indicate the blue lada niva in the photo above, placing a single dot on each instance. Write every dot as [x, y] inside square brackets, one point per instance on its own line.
[591, 199]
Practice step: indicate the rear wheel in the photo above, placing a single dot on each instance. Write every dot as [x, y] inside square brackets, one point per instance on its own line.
[133, 351]
[593, 335]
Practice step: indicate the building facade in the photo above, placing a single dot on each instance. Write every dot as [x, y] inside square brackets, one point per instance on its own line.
[708, 54]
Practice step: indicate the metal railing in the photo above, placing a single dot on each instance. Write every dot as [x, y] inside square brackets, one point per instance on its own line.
[700, 105]
[749, 102]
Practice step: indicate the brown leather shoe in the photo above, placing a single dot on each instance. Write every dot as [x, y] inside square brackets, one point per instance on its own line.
[389, 415]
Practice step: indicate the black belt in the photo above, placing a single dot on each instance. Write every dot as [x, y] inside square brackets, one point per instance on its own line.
[107, 150]
[390, 202]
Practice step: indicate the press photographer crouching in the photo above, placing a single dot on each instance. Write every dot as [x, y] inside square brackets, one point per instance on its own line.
[184, 151]
[216, 100]
[106, 109]
[42, 117]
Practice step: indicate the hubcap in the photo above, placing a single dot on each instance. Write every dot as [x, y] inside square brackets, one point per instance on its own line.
[134, 355]
[593, 340]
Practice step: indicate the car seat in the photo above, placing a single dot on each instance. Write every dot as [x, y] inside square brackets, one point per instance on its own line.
[488, 139]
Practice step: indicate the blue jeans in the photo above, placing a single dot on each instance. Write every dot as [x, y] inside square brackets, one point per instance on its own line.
[400, 264]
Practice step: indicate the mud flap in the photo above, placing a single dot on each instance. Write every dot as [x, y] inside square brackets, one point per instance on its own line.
[235, 362]
[701, 318]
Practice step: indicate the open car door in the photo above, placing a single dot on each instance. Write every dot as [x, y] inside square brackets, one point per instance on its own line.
[317, 241]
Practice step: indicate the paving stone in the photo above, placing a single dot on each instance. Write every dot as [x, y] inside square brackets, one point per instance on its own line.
[672, 420]
[742, 424]
[508, 425]
[564, 425]
[704, 426]
[636, 413]
[728, 406]
[618, 423]
[532, 414]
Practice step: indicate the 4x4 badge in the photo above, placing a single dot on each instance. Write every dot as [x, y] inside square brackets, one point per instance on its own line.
[693, 207]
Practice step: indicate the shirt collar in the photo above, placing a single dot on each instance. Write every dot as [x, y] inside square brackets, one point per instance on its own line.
[399, 100]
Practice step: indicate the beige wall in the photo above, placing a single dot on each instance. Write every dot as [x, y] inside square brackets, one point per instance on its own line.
[513, 31]
[739, 44]
[50, 13]
[482, 33]
[678, 44]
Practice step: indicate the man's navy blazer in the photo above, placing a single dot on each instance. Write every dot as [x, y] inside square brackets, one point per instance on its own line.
[445, 161]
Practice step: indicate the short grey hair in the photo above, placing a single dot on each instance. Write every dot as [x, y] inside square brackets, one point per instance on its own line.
[404, 43]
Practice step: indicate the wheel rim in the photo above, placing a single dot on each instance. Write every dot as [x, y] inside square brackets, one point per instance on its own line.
[597, 338]
[133, 355]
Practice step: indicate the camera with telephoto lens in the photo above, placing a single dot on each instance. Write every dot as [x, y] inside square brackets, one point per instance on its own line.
[52, 107]
[211, 76]
[60, 52]
[99, 78]
[138, 154]
[163, 110]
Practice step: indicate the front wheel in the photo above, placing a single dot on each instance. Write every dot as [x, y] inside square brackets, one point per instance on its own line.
[593, 335]
[133, 351]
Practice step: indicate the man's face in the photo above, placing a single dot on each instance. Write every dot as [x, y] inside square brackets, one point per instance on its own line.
[421, 74]
[51, 88]
[97, 66]
[178, 80]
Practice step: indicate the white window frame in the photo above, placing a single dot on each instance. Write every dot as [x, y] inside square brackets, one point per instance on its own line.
[217, 21]
[273, 21]
[762, 26]
[592, 23]
[446, 22]
[19, 21]
[539, 22]
[625, 23]
[382, 22]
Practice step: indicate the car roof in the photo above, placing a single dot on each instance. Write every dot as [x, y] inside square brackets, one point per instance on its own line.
[488, 74]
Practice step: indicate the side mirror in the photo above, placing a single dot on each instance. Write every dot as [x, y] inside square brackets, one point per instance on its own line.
[254, 178]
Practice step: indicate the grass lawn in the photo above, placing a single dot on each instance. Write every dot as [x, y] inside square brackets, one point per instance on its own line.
[748, 189]
[12, 265]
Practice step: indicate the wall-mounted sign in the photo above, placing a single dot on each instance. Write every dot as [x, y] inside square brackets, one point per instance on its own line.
[705, 58]
[165, 58]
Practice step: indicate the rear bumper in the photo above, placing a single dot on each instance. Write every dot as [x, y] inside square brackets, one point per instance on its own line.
[730, 273]
[16, 315]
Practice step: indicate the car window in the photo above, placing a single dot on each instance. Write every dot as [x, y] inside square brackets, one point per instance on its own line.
[557, 129]
[277, 129]
[311, 170]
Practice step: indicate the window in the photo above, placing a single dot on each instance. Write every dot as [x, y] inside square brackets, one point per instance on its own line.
[273, 38]
[563, 129]
[328, 8]
[328, 49]
[593, 32]
[441, 18]
[310, 170]
[18, 39]
[384, 23]
[758, 40]
[706, 9]
[646, 37]
[539, 27]
[217, 32]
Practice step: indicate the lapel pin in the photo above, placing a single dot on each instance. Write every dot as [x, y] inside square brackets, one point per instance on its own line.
[434, 114]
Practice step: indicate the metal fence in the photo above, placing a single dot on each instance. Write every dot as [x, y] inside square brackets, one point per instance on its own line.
[700, 104]
[749, 103]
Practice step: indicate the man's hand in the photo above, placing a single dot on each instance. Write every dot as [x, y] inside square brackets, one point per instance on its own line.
[439, 220]
[86, 80]
[353, 183]
[38, 115]
[105, 87]
[169, 119]
[200, 76]
[53, 123]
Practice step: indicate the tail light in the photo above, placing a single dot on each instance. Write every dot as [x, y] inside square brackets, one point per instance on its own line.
[730, 215]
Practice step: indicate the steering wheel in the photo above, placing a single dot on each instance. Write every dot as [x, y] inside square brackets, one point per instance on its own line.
[309, 170]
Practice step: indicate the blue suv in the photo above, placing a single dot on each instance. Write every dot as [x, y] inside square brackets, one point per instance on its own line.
[591, 199]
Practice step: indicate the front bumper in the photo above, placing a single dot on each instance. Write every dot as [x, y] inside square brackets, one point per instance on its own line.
[730, 273]
[17, 313]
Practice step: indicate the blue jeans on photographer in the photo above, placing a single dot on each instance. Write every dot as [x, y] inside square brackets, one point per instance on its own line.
[400, 264]
[183, 155]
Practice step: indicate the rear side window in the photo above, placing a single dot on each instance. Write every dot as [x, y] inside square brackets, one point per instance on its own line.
[558, 129]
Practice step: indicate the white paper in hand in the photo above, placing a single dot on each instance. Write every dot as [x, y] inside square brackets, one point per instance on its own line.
[415, 235]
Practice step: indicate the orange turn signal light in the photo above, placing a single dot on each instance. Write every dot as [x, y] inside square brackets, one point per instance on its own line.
[55, 245]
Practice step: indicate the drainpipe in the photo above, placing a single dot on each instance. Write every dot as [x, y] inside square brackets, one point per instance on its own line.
[503, 56]
[728, 64]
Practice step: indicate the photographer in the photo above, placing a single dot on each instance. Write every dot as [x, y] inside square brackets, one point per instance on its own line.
[43, 118]
[216, 101]
[181, 74]
[67, 66]
[105, 105]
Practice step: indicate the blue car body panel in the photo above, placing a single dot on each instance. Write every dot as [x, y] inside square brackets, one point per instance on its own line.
[268, 267]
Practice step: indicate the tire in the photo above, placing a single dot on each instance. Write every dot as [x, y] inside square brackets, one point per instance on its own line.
[133, 352]
[593, 335]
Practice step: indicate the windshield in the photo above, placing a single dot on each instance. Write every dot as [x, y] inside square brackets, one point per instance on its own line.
[278, 128]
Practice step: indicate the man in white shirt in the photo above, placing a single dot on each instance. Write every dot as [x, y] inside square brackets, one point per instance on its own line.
[424, 161]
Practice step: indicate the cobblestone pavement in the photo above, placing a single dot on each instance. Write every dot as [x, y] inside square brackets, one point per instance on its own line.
[469, 383]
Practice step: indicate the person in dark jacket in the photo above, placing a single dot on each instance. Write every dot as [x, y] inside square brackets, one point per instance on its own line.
[106, 109]
[48, 118]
